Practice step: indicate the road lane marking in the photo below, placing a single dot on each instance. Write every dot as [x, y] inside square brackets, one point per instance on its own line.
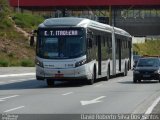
[68, 93]
[8, 97]
[14, 75]
[150, 109]
[21, 80]
[96, 100]
[12, 81]
[14, 109]
[98, 85]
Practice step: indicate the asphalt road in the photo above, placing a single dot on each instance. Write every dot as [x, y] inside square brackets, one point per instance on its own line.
[21, 93]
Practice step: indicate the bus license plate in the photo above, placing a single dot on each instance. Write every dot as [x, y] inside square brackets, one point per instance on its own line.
[59, 75]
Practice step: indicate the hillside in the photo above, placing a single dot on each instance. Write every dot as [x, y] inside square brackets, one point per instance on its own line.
[15, 29]
[150, 47]
[14, 40]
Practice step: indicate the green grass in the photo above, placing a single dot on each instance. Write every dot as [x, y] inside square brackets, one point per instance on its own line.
[4, 63]
[24, 63]
[5, 24]
[150, 47]
[27, 63]
[9, 61]
[4, 13]
[14, 46]
[27, 21]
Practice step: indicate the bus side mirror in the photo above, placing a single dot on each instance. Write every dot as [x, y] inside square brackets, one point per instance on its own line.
[32, 37]
[35, 31]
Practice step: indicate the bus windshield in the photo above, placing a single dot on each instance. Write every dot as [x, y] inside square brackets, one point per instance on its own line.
[61, 46]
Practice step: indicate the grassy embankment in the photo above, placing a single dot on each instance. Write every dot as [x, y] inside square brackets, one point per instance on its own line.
[150, 47]
[14, 46]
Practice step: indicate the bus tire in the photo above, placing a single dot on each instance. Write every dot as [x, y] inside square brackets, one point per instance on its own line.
[39, 78]
[50, 83]
[125, 70]
[93, 79]
[108, 74]
[128, 65]
[134, 80]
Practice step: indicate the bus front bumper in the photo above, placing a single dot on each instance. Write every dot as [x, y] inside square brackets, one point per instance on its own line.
[61, 74]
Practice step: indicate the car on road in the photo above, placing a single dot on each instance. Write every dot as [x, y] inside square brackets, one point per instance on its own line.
[147, 68]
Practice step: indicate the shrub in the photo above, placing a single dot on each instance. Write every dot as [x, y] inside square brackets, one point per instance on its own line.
[27, 20]
[150, 47]
[27, 63]
[4, 63]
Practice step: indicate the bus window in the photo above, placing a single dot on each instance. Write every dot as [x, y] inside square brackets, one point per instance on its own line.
[89, 43]
[51, 47]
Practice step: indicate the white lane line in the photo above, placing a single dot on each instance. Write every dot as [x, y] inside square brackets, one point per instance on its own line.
[9, 97]
[14, 75]
[98, 85]
[21, 80]
[14, 109]
[12, 81]
[97, 100]
[150, 109]
[68, 93]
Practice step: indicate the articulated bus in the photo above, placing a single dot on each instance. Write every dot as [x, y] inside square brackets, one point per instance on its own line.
[80, 49]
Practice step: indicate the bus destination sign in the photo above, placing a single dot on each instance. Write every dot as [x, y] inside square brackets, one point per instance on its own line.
[60, 33]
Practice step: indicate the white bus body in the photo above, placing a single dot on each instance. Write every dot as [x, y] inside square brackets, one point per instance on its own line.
[100, 50]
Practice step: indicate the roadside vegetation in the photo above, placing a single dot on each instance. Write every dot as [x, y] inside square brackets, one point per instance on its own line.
[27, 21]
[150, 47]
[14, 45]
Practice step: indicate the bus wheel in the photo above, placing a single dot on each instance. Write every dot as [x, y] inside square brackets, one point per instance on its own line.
[125, 70]
[50, 83]
[134, 80]
[93, 79]
[108, 74]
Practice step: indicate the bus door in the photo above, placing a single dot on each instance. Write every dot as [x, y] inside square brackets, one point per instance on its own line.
[130, 52]
[99, 55]
[118, 51]
[118, 54]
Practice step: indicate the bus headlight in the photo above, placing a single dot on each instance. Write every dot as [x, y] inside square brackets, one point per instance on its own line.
[79, 63]
[39, 63]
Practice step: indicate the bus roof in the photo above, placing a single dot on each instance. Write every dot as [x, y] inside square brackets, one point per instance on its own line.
[80, 22]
